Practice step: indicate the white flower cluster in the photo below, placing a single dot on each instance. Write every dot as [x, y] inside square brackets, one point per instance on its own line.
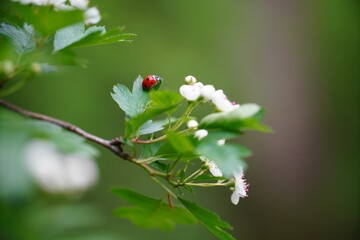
[57, 173]
[91, 15]
[193, 91]
[241, 187]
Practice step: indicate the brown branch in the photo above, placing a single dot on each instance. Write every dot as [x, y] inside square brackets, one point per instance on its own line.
[113, 145]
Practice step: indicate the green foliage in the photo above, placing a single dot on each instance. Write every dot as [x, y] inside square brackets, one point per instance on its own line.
[132, 103]
[209, 219]
[75, 36]
[45, 38]
[234, 121]
[149, 212]
[47, 21]
[22, 39]
[161, 102]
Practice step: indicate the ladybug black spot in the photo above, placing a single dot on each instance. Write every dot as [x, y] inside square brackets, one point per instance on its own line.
[147, 79]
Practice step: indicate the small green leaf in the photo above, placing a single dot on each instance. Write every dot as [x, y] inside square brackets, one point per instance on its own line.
[209, 219]
[154, 126]
[22, 39]
[67, 37]
[234, 121]
[131, 103]
[149, 150]
[149, 212]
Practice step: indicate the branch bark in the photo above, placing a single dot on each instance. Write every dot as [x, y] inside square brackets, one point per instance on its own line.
[113, 145]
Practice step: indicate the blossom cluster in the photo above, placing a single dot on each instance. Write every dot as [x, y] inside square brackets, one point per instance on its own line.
[197, 91]
[59, 173]
[91, 15]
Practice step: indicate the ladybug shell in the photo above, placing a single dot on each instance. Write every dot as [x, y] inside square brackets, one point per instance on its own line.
[150, 82]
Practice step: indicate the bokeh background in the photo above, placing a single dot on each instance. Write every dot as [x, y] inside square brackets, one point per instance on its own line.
[298, 59]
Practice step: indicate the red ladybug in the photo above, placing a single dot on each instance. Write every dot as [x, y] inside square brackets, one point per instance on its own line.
[151, 82]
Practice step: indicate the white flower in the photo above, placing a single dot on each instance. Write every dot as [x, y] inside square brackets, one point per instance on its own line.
[207, 92]
[221, 142]
[92, 16]
[200, 134]
[190, 79]
[192, 124]
[222, 103]
[80, 4]
[241, 187]
[248, 110]
[58, 173]
[213, 168]
[191, 92]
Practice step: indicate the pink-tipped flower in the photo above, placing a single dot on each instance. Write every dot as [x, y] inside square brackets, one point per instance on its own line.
[241, 187]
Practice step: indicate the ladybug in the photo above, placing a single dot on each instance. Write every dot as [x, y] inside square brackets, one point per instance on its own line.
[151, 82]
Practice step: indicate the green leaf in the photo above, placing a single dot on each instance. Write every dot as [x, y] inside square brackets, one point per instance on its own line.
[149, 150]
[149, 212]
[46, 20]
[234, 121]
[209, 219]
[180, 143]
[109, 37]
[67, 37]
[22, 39]
[161, 102]
[228, 157]
[155, 126]
[131, 103]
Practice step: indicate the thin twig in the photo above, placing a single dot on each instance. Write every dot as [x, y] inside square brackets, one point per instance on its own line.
[113, 145]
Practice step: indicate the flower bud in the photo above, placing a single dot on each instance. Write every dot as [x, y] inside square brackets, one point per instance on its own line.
[35, 68]
[92, 16]
[200, 134]
[192, 124]
[7, 67]
[190, 79]
[221, 142]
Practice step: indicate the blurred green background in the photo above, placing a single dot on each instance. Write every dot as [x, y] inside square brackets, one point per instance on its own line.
[298, 59]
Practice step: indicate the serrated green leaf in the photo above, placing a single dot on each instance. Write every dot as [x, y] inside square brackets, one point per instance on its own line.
[149, 150]
[22, 39]
[149, 212]
[69, 36]
[234, 121]
[131, 103]
[161, 102]
[209, 219]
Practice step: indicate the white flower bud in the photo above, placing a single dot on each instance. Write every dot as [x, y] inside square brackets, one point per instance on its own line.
[190, 79]
[35, 68]
[80, 4]
[200, 134]
[207, 92]
[192, 124]
[8, 68]
[92, 16]
[221, 142]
